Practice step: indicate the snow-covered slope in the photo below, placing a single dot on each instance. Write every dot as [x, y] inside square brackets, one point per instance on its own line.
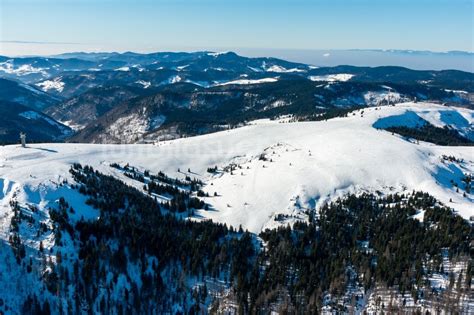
[332, 77]
[280, 168]
[247, 81]
[462, 121]
[55, 84]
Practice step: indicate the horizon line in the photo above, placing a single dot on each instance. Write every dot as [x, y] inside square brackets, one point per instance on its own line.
[141, 52]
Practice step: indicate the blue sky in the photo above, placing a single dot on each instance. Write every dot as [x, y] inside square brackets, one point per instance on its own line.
[51, 26]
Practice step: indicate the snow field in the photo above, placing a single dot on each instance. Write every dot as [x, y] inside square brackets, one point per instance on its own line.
[305, 165]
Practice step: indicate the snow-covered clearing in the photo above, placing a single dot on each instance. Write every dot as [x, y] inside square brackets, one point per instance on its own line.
[145, 84]
[55, 84]
[175, 79]
[21, 70]
[123, 69]
[331, 77]
[280, 168]
[280, 69]
[377, 98]
[249, 81]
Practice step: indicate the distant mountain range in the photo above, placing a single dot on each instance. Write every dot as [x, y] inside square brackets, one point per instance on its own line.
[167, 94]
[413, 59]
[327, 190]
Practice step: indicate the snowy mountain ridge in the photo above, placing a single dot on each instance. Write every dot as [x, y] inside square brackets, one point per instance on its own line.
[343, 154]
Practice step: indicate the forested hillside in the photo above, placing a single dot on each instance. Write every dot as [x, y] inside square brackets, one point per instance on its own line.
[140, 258]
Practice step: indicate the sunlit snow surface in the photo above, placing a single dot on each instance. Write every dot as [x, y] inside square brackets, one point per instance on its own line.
[10, 68]
[249, 81]
[55, 84]
[331, 77]
[280, 69]
[307, 164]
[145, 84]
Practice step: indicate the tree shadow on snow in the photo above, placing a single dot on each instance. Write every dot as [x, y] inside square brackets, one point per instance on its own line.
[42, 149]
